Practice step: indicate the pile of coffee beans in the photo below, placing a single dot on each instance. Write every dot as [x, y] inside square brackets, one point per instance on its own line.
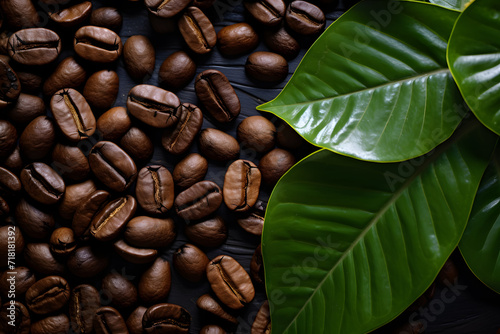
[95, 184]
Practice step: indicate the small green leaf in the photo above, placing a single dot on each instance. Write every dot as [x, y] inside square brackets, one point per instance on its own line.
[348, 245]
[474, 59]
[376, 85]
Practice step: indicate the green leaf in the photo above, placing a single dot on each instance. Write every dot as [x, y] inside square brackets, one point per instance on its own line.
[452, 4]
[376, 85]
[474, 59]
[348, 245]
[480, 244]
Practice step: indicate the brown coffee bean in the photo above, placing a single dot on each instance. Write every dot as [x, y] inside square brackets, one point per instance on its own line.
[262, 322]
[73, 16]
[68, 74]
[21, 316]
[70, 162]
[166, 318]
[266, 12]
[218, 145]
[304, 18]
[198, 201]
[97, 44]
[19, 14]
[101, 89]
[13, 162]
[47, 295]
[56, 324]
[34, 46]
[8, 138]
[10, 87]
[40, 259]
[7, 232]
[190, 170]
[134, 320]
[230, 282]
[208, 233]
[108, 320]
[257, 266]
[86, 261]
[119, 290]
[73, 197]
[154, 106]
[281, 42]
[257, 133]
[107, 17]
[10, 185]
[35, 223]
[166, 9]
[139, 57]
[241, 185]
[38, 138]
[62, 241]
[197, 30]
[154, 284]
[217, 95]
[137, 144]
[114, 123]
[24, 278]
[25, 109]
[253, 220]
[177, 139]
[4, 209]
[190, 262]
[109, 221]
[134, 254]
[143, 231]
[83, 303]
[237, 39]
[275, 164]
[155, 189]
[30, 82]
[42, 183]
[112, 166]
[211, 306]
[176, 71]
[86, 211]
[266, 66]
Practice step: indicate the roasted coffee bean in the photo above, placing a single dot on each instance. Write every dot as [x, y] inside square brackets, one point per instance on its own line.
[114, 123]
[97, 44]
[13, 161]
[154, 284]
[198, 201]
[266, 66]
[83, 303]
[257, 266]
[42, 183]
[70, 162]
[10, 185]
[166, 8]
[281, 42]
[253, 220]
[40, 259]
[155, 189]
[143, 231]
[72, 114]
[86, 262]
[24, 278]
[257, 133]
[109, 221]
[176, 71]
[304, 18]
[154, 106]
[73, 197]
[47, 295]
[101, 89]
[112, 166]
[448, 273]
[21, 315]
[19, 14]
[33, 220]
[62, 241]
[25, 109]
[73, 16]
[56, 324]
[208, 304]
[177, 139]
[190, 262]
[10, 87]
[7, 233]
[212, 329]
[274, 164]
[218, 145]
[107, 17]
[134, 320]
[166, 318]
[190, 170]
[208, 233]
[262, 322]
[197, 30]
[4, 208]
[137, 144]
[30, 82]
[34, 46]
[217, 95]
[8, 138]
[266, 12]
[86, 211]
[230, 282]
[237, 39]
[139, 57]
[38, 138]
[108, 320]
[68, 74]
[134, 254]
[119, 290]
[241, 185]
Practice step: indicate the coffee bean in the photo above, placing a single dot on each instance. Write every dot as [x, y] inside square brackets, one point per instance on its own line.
[13, 161]
[208, 233]
[134, 320]
[56, 324]
[257, 133]
[86, 211]
[281, 42]
[176, 71]
[34, 46]
[262, 322]
[448, 273]
[37, 139]
[237, 39]
[266, 12]
[108, 320]
[304, 18]
[6, 235]
[97, 44]
[211, 306]
[62, 241]
[40, 259]
[30, 82]
[217, 95]
[241, 185]
[139, 57]
[21, 317]
[119, 290]
[212, 329]
[257, 266]
[24, 278]
[154, 106]
[155, 189]
[190, 170]
[25, 109]
[68, 74]
[33, 220]
[143, 231]
[42, 183]
[107, 17]
[83, 303]
[197, 30]
[134, 254]
[154, 284]
[177, 139]
[198, 201]
[70, 162]
[72, 17]
[73, 197]
[101, 89]
[217, 145]
[190, 262]
[86, 261]
[275, 164]
[10, 87]
[19, 14]
[253, 220]
[114, 123]
[8, 138]
[10, 185]
[166, 8]
[137, 144]
[109, 221]
[166, 318]
[230, 282]
[112, 166]
[47, 295]
[4, 208]
[266, 66]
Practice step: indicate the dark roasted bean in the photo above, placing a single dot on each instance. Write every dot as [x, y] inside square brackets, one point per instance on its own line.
[109, 221]
[73, 197]
[134, 254]
[7, 233]
[62, 241]
[262, 322]
[281, 42]
[208, 304]
[24, 278]
[21, 315]
[86, 212]
[154, 283]
[108, 320]
[34, 46]
[38, 138]
[198, 201]
[134, 321]
[33, 220]
[39, 258]
[155, 189]
[8, 138]
[177, 139]
[101, 89]
[241, 185]
[266, 66]
[253, 220]
[274, 164]
[114, 123]
[26, 108]
[55, 324]
[19, 14]
[47, 295]
[266, 12]
[42, 183]
[208, 233]
[190, 262]
[197, 30]
[218, 145]
[166, 318]
[10, 87]
[137, 144]
[139, 57]
[73, 16]
[86, 262]
[257, 266]
[304, 18]
[190, 170]
[68, 74]
[257, 133]
[166, 8]
[143, 231]
[237, 39]
[176, 71]
[70, 162]
[97, 44]
[120, 291]
[10, 185]
[107, 17]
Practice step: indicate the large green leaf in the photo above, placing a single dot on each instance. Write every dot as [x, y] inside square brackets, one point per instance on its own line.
[480, 244]
[474, 59]
[348, 245]
[376, 85]
[452, 4]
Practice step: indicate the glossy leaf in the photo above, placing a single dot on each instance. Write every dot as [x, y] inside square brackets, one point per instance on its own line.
[480, 244]
[474, 59]
[348, 245]
[376, 85]
[452, 4]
